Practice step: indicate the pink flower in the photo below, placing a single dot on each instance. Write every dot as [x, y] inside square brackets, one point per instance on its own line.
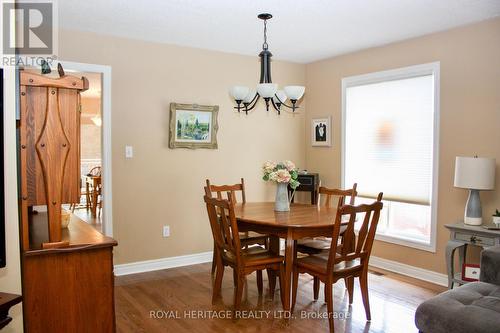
[280, 176]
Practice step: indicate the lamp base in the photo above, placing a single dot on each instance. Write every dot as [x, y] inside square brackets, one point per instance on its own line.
[473, 220]
[473, 212]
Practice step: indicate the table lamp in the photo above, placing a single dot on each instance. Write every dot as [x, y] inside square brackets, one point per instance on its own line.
[474, 174]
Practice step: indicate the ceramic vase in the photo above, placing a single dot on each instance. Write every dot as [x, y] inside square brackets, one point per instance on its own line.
[282, 204]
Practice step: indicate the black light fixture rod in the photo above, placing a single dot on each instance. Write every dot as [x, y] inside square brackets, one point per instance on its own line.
[283, 103]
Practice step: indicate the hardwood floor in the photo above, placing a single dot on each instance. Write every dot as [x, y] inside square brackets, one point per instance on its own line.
[86, 216]
[179, 300]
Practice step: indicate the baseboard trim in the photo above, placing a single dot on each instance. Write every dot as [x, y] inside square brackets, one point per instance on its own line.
[203, 257]
[411, 271]
[163, 263]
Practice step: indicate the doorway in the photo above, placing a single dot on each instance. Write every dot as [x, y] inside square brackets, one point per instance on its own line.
[90, 207]
[96, 142]
[95, 206]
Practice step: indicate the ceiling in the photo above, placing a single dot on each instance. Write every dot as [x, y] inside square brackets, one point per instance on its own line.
[301, 30]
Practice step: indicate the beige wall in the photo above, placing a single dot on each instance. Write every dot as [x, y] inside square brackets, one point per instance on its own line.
[470, 115]
[163, 186]
[89, 132]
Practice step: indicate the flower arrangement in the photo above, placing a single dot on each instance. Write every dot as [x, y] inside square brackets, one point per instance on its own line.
[281, 172]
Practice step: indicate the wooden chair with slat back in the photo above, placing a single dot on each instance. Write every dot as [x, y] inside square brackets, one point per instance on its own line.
[319, 244]
[247, 238]
[348, 264]
[244, 261]
[322, 244]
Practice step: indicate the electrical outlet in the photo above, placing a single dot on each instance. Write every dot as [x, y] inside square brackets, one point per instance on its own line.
[129, 151]
[166, 231]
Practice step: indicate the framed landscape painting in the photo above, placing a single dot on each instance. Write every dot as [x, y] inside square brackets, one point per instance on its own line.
[321, 132]
[193, 126]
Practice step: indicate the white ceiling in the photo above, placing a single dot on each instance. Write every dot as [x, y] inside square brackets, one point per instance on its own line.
[301, 30]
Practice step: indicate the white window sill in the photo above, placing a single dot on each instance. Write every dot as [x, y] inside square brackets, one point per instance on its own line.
[420, 245]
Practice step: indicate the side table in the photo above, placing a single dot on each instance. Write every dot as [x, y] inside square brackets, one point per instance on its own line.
[462, 235]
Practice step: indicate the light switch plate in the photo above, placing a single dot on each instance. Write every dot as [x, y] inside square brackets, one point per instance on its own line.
[129, 151]
[166, 231]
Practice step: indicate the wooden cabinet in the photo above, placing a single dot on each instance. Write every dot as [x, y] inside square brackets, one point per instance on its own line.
[67, 274]
[70, 289]
[309, 182]
[49, 134]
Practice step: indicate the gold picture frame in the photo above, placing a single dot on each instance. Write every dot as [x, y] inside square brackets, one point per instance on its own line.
[193, 126]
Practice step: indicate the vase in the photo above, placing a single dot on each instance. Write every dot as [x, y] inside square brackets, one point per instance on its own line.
[281, 203]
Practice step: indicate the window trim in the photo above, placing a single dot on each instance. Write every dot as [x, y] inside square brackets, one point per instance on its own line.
[432, 68]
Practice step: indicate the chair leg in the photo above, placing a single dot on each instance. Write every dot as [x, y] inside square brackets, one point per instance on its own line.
[271, 276]
[282, 284]
[238, 294]
[235, 277]
[363, 281]
[214, 259]
[259, 281]
[218, 282]
[316, 284]
[295, 285]
[350, 288]
[329, 303]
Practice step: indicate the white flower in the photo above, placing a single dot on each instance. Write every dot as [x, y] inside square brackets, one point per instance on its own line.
[269, 166]
[289, 165]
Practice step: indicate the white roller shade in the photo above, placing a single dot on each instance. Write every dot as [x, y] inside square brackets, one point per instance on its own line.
[389, 138]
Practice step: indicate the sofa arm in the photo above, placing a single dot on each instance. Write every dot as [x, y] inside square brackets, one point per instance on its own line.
[490, 265]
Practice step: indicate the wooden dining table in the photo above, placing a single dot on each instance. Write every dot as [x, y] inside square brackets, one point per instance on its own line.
[301, 221]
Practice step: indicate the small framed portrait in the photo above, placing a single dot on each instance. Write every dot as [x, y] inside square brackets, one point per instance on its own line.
[321, 132]
[470, 272]
[193, 126]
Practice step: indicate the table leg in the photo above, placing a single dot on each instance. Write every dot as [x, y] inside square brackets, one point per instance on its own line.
[450, 263]
[289, 260]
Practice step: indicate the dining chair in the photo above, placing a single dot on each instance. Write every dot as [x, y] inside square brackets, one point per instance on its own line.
[246, 238]
[322, 244]
[318, 244]
[94, 172]
[351, 264]
[243, 261]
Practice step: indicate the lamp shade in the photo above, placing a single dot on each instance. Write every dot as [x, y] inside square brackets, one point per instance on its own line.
[476, 173]
[267, 90]
[294, 92]
[239, 92]
[280, 97]
[249, 96]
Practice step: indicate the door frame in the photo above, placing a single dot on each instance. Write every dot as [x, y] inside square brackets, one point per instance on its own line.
[106, 147]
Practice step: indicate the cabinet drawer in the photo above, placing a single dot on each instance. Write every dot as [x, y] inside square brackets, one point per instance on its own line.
[472, 239]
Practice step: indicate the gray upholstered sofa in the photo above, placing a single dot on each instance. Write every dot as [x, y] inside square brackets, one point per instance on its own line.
[471, 308]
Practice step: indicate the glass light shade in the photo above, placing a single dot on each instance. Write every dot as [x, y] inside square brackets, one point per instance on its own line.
[295, 92]
[249, 96]
[267, 90]
[239, 92]
[97, 120]
[476, 173]
[281, 95]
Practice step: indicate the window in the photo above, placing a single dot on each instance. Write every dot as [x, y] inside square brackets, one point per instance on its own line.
[390, 141]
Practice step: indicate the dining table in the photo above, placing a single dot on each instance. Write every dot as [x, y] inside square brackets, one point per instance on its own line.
[301, 221]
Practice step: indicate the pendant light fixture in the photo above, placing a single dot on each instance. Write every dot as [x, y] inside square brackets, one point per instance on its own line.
[247, 98]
